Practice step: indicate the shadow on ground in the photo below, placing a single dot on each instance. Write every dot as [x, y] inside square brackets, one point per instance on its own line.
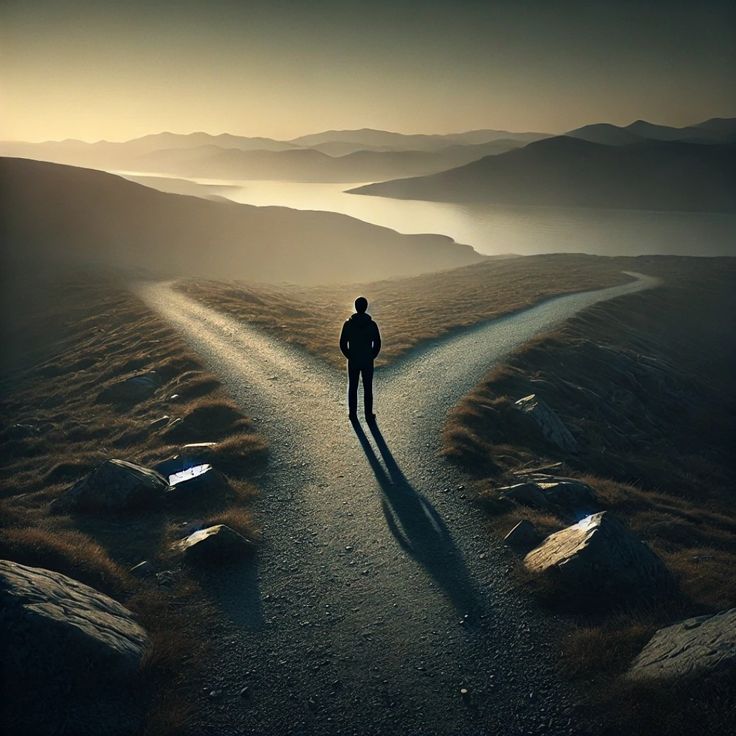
[417, 527]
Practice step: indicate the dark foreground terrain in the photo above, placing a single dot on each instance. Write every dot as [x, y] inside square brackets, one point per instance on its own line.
[68, 404]
[644, 383]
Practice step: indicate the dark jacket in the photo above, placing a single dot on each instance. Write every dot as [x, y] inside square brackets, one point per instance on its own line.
[360, 340]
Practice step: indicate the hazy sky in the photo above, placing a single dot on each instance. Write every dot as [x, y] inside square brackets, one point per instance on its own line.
[116, 70]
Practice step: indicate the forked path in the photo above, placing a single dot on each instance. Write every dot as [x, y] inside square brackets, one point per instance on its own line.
[379, 596]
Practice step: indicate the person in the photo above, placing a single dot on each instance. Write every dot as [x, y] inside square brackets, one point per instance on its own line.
[360, 343]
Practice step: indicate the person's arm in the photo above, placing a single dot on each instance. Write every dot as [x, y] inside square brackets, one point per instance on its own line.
[344, 341]
[376, 342]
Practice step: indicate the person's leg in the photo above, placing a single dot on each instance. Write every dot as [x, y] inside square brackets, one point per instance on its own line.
[367, 372]
[353, 376]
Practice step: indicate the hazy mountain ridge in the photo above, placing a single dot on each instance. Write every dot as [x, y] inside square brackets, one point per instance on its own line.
[656, 175]
[56, 214]
[326, 157]
[712, 131]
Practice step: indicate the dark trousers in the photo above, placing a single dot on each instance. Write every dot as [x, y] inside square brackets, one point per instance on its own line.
[355, 372]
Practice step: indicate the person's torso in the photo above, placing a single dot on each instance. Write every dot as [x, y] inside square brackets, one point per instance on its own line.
[361, 333]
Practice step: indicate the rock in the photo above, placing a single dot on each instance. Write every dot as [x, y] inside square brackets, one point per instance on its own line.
[61, 639]
[201, 483]
[131, 390]
[523, 537]
[694, 647]
[560, 494]
[547, 422]
[598, 557]
[528, 494]
[569, 494]
[215, 544]
[116, 485]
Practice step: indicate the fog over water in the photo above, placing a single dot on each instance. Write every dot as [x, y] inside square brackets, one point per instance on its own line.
[500, 229]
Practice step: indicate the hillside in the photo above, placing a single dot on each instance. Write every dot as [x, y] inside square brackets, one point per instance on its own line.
[64, 215]
[653, 175]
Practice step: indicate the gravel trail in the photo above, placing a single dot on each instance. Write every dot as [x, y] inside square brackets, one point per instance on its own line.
[379, 604]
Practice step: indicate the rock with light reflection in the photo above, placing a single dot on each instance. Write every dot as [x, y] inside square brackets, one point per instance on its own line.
[217, 543]
[599, 557]
[197, 484]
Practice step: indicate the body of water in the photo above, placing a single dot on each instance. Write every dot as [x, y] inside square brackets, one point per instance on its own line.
[502, 229]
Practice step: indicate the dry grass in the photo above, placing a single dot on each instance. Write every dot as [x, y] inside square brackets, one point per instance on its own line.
[645, 383]
[410, 311]
[87, 335]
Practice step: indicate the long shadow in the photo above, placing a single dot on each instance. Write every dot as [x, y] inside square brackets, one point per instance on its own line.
[417, 527]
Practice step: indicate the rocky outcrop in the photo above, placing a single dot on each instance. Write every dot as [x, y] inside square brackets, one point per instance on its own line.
[131, 390]
[115, 485]
[523, 537]
[600, 558]
[217, 543]
[68, 647]
[549, 425]
[695, 647]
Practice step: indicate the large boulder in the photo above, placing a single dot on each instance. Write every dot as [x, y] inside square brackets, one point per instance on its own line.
[549, 425]
[217, 543]
[131, 390]
[115, 485]
[695, 647]
[600, 558]
[70, 655]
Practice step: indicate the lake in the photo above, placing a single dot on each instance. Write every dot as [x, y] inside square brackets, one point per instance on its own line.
[499, 229]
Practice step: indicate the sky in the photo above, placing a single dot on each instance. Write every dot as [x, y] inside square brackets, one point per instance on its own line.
[118, 70]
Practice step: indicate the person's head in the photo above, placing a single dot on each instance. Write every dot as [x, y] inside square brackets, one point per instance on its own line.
[361, 304]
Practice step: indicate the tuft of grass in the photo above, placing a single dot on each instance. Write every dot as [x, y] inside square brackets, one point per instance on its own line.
[68, 552]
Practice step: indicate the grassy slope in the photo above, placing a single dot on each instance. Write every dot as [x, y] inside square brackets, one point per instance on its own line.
[409, 311]
[92, 335]
[646, 385]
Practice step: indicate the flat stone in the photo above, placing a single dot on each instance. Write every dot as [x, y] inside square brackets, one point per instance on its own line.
[115, 485]
[217, 543]
[695, 647]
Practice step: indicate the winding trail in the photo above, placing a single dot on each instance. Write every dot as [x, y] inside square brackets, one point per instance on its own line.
[378, 594]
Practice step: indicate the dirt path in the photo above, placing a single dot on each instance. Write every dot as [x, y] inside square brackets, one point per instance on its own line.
[378, 594]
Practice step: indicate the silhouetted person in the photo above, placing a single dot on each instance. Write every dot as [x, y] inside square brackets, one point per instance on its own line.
[360, 343]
